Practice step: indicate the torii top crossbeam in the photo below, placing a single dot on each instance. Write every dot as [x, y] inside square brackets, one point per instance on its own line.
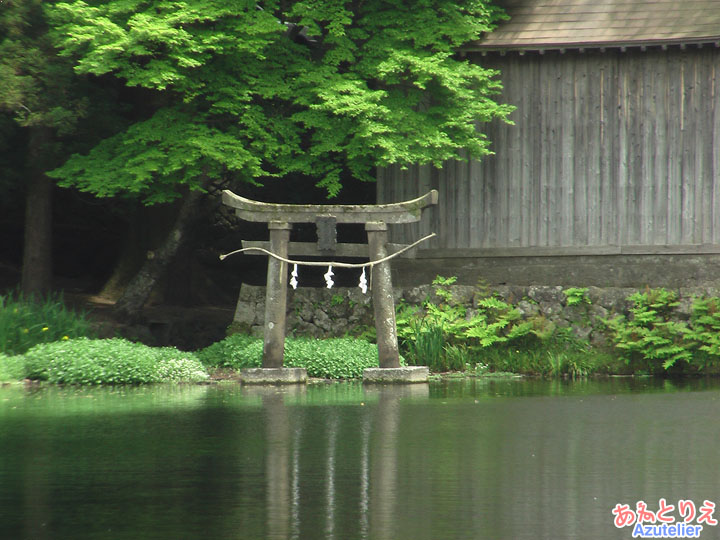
[402, 212]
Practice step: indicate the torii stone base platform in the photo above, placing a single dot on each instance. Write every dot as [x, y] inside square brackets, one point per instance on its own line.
[403, 375]
[273, 375]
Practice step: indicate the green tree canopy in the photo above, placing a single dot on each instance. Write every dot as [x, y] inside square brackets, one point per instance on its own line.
[268, 88]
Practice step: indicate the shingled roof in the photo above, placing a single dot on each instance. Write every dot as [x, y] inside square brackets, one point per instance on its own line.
[558, 24]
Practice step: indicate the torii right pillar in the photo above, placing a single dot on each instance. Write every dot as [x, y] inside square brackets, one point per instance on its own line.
[390, 370]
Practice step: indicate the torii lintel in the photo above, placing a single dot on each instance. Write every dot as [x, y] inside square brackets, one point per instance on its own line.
[401, 212]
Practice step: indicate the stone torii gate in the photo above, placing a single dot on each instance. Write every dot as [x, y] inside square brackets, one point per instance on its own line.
[280, 218]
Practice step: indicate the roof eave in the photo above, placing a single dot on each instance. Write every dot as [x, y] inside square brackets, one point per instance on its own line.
[592, 45]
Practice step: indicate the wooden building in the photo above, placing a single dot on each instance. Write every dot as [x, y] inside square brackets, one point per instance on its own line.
[610, 175]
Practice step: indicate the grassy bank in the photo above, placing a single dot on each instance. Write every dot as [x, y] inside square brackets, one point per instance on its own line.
[42, 340]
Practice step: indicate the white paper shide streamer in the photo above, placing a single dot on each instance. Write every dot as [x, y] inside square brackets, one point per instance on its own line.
[328, 277]
[363, 282]
[293, 277]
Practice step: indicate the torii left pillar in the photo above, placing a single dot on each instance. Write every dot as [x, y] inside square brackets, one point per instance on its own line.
[276, 296]
[272, 370]
[382, 295]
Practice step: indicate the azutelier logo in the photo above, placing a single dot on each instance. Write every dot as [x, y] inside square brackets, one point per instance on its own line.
[662, 523]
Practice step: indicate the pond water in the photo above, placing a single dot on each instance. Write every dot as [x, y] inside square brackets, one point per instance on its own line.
[496, 459]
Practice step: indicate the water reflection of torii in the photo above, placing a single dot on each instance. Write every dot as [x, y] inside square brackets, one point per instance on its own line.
[378, 467]
[280, 218]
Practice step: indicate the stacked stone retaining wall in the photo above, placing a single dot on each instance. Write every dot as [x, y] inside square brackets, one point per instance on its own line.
[341, 311]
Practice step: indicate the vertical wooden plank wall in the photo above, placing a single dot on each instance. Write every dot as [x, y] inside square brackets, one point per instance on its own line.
[608, 149]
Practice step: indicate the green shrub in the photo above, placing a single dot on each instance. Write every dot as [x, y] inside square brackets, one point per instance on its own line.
[651, 339]
[334, 358]
[110, 361]
[445, 336]
[237, 352]
[575, 296]
[27, 321]
[704, 332]
[656, 339]
[12, 368]
[228, 353]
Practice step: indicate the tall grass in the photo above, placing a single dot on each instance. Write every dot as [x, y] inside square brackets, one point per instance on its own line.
[427, 349]
[28, 321]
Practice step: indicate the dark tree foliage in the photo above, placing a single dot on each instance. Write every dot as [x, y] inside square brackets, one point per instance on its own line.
[42, 103]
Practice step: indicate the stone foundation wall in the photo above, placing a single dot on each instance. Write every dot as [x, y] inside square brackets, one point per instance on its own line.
[337, 312]
[317, 312]
[670, 270]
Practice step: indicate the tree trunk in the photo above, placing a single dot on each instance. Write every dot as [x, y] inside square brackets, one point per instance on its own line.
[37, 247]
[130, 304]
[129, 261]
